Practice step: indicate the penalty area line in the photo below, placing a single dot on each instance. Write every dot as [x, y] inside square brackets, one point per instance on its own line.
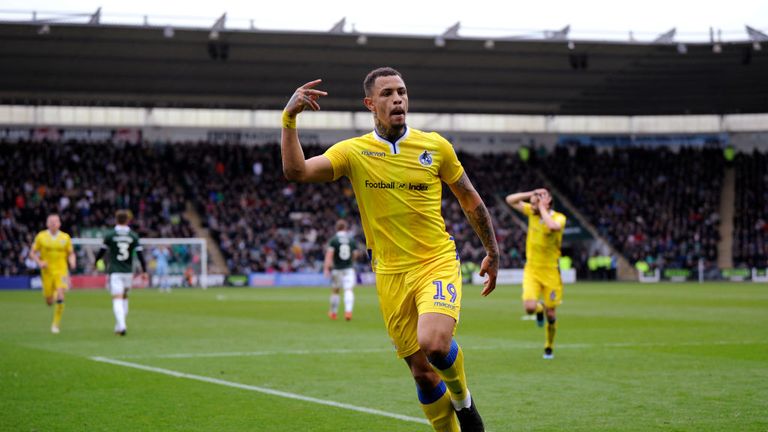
[258, 389]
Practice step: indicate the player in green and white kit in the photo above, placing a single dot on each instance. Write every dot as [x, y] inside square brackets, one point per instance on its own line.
[121, 243]
[340, 256]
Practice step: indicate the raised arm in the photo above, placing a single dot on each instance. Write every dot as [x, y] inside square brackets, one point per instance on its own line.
[295, 166]
[478, 216]
[516, 200]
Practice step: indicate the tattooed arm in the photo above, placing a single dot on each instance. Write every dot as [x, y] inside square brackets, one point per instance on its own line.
[295, 167]
[478, 216]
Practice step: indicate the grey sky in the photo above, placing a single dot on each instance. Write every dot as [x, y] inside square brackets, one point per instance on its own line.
[593, 19]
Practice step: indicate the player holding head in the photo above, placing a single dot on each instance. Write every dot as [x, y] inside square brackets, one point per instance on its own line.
[397, 174]
[541, 277]
[340, 256]
[52, 251]
[121, 242]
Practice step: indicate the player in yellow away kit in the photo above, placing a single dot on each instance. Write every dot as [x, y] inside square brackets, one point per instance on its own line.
[541, 277]
[397, 174]
[52, 251]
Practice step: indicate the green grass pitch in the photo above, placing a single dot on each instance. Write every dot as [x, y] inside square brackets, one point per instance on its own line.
[628, 357]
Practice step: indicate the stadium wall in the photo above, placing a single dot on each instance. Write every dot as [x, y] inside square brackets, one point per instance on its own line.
[85, 116]
[473, 142]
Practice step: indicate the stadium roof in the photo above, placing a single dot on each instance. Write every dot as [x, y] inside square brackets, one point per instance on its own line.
[153, 66]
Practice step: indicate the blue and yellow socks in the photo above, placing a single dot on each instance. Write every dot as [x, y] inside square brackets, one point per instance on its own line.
[451, 370]
[437, 406]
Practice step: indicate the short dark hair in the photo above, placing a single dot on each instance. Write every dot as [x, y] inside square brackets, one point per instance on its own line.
[122, 216]
[370, 79]
[341, 225]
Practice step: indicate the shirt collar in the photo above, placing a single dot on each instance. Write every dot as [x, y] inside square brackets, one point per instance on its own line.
[395, 146]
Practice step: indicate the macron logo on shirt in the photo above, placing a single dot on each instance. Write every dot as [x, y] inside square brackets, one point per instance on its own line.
[372, 153]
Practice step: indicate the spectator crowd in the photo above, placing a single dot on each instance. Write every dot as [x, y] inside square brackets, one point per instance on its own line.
[750, 231]
[85, 184]
[653, 204]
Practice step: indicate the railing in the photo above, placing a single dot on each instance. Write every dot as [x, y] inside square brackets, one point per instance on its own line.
[272, 22]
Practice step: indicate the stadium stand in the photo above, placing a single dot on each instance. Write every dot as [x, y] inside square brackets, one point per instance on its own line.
[261, 222]
[493, 175]
[653, 204]
[751, 222]
[264, 223]
[86, 184]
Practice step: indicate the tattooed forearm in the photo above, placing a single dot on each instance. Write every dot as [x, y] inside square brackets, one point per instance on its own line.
[481, 222]
[477, 214]
[463, 185]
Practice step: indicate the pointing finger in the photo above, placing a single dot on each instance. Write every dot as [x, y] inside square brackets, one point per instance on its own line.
[315, 92]
[312, 84]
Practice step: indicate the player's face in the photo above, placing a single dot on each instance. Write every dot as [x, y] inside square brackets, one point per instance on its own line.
[539, 196]
[53, 223]
[535, 199]
[535, 203]
[389, 101]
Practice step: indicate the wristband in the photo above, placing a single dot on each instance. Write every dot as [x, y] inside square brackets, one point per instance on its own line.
[288, 121]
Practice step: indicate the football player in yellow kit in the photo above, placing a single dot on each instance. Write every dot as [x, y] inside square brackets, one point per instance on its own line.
[52, 251]
[542, 286]
[397, 174]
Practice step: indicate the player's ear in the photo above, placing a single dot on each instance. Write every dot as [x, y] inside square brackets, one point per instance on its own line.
[368, 102]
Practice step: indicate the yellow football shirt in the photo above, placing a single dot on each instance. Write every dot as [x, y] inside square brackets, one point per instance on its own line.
[542, 245]
[398, 189]
[53, 250]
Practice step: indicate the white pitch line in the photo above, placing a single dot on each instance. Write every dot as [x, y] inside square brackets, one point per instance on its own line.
[261, 353]
[506, 347]
[261, 390]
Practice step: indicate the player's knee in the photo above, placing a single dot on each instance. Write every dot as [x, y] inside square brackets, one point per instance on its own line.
[530, 306]
[435, 348]
[551, 317]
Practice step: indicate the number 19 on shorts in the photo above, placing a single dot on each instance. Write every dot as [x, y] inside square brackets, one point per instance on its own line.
[439, 291]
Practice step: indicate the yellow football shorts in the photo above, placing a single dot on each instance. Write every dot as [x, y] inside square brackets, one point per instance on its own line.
[53, 282]
[543, 283]
[432, 287]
